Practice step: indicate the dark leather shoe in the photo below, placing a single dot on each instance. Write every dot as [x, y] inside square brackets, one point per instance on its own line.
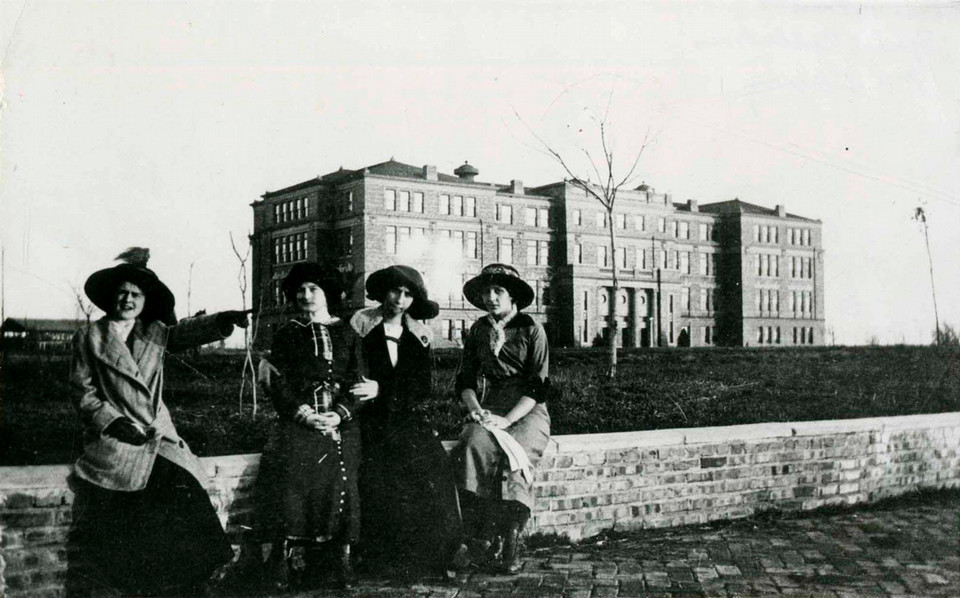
[346, 576]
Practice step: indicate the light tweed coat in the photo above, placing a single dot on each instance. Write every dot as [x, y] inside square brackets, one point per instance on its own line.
[108, 381]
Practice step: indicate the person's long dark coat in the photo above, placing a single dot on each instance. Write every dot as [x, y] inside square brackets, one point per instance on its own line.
[407, 486]
[317, 473]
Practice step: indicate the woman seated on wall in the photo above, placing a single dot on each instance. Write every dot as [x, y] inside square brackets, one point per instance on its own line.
[144, 522]
[507, 426]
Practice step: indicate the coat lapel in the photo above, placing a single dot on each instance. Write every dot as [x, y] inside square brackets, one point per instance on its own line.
[112, 351]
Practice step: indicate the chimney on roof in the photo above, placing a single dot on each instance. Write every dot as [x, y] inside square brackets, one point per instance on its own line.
[692, 205]
[781, 211]
[466, 172]
[516, 187]
[430, 172]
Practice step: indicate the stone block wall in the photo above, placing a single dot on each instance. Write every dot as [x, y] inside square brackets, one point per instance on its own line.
[585, 483]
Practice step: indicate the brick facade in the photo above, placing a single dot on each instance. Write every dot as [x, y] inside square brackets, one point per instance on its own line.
[726, 273]
[585, 484]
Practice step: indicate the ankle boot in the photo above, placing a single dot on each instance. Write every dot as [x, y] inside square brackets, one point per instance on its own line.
[346, 576]
[510, 561]
[515, 517]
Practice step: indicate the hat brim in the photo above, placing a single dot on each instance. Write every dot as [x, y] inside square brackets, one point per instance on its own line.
[381, 281]
[101, 288]
[324, 278]
[521, 292]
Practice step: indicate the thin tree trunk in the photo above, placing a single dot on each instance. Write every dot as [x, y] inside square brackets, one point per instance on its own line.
[614, 323]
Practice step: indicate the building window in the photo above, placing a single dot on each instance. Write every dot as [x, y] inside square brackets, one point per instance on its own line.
[703, 299]
[390, 200]
[706, 335]
[470, 251]
[543, 256]
[446, 329]
[806, 241]
[577, 218]
[601, 220]
[417, 202]
[702, 264]
[641, 259]
[404, 204]
[390, 239]
[470, 207]
[674, 229]
[602, 256]
[676, 259]
[639, 223]
[621, 221]
[703, 232]
[685, 299]
[578, 253]
[586, 300]
[531, 253]
[622, 258]
[531, 216]
[684, 230]
[661, 225]
[445, 204]
[663, 259]
[456, 205]
[505, 251]
[505, 214]
[290, 248]
[685, 262]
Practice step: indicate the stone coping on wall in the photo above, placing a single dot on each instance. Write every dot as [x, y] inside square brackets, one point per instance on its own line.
[36, 476]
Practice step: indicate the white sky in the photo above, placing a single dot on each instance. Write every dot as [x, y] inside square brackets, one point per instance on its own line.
[157, 125]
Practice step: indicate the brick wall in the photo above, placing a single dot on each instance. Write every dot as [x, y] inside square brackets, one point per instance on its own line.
[585, 484]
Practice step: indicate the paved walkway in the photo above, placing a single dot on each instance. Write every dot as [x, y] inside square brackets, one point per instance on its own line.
[907, 550]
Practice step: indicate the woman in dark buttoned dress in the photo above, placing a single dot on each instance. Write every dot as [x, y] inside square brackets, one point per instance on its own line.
[319, 441]
[507, 426]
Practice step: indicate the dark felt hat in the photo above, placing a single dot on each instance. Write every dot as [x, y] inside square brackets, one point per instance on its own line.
[381, 281]
[328, 279]
[502, 275]
[101, 287]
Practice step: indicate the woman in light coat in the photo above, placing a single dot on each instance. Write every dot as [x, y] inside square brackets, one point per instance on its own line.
[145, 523]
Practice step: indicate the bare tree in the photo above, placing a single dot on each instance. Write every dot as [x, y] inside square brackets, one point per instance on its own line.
[921, 216]
[604, 191]
[83, 306]
[247, 341]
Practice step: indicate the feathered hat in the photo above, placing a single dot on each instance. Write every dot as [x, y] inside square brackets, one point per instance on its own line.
[101, 286]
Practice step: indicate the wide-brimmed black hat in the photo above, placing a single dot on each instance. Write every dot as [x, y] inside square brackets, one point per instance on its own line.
[328, 279]
[391, 277]
[101, 287]
[502, 275]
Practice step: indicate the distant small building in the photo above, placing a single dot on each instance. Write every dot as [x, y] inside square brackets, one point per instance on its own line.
[30, 334]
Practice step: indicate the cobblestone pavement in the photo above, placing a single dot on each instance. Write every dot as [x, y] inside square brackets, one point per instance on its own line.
[907, 550]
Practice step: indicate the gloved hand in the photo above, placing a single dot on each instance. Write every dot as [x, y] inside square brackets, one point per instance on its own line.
[226, 320]
[126, 430]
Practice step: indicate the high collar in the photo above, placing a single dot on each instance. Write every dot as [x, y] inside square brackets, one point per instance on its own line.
[366, 320]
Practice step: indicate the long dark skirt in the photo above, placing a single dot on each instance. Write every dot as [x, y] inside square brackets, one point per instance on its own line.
[320, 500]
[152, 542]
[410, 509]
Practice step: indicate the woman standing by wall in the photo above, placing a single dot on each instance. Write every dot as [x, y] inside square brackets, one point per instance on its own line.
[507, 426]
[319, 441]
[144, 522]
[407, 484]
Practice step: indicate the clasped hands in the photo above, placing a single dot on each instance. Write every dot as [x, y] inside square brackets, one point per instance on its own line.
[485, 418]
[324, 422]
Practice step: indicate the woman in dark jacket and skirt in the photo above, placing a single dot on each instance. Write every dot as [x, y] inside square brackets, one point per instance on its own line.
[410, 509]
[508, 426]
[143, 522]
[319, 441]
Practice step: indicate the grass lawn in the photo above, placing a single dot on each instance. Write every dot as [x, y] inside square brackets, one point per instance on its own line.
[655, 389]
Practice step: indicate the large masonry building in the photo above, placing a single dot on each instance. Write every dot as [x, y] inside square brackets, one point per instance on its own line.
[728, 273]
